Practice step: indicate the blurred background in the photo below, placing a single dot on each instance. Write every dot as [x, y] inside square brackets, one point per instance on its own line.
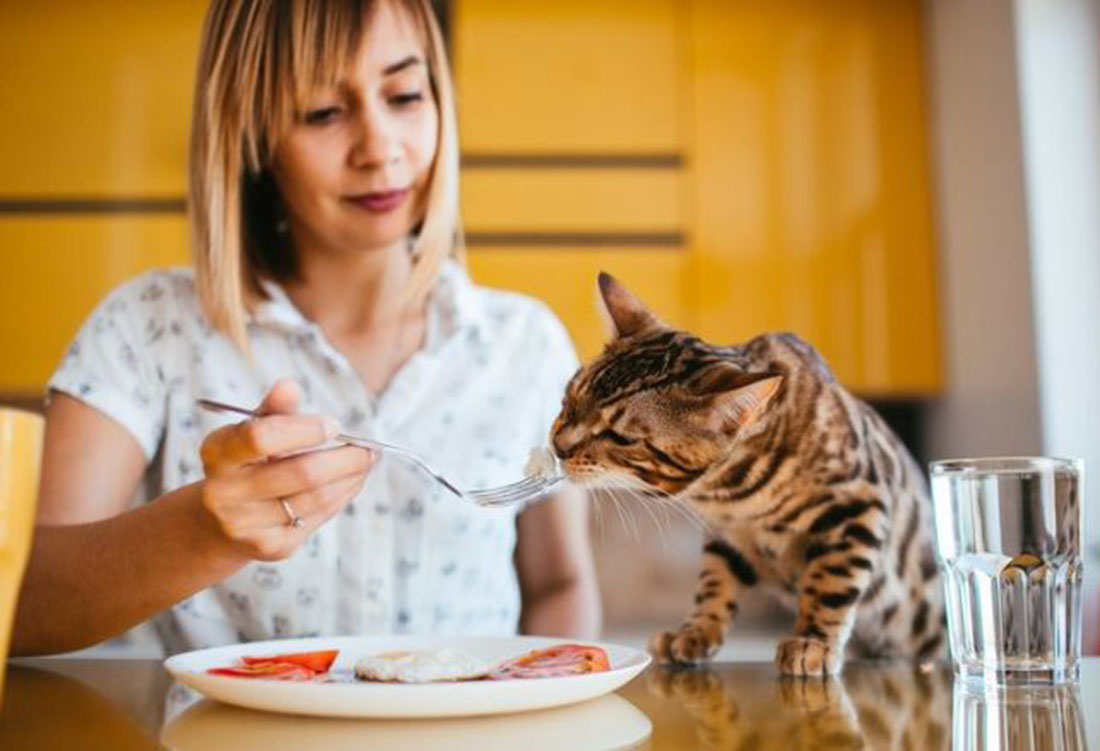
[912, 186]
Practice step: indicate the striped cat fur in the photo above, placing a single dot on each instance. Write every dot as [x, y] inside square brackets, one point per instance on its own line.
[804, 488]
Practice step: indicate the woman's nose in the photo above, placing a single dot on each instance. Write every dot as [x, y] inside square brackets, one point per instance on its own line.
[376, 144]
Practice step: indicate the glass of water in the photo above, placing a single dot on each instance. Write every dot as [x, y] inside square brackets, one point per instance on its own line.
[1008, 541]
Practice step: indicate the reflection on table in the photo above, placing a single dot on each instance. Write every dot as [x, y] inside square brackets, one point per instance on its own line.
[127, 704]
[604, 723]
[1018, 718]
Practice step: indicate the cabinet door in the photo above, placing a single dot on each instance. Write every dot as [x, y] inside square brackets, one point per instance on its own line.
[572, 127]
[56, 269]
[589, 76]
[97, 97]
[565, 279]
[811, 208]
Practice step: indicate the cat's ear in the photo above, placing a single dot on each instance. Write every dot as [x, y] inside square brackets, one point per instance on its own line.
[627, 313]
[736, 398]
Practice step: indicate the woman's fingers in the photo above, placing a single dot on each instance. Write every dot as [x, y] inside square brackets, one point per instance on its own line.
[265, 437]
[279, 430]
[315, 480]
[254, 467]
[300, 474]
[282, 398]
[313, 508]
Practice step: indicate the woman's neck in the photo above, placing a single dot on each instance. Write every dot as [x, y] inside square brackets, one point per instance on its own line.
[350, 296]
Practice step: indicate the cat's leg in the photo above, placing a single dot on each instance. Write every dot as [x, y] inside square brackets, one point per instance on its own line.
[840, 564]
[726, 572]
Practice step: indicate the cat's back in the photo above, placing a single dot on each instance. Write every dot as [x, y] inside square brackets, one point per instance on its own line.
[830, 429]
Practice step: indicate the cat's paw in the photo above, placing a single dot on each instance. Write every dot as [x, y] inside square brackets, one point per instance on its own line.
[798, 655]
[688, 645]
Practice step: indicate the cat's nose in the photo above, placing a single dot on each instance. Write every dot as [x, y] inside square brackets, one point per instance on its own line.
[565, 443]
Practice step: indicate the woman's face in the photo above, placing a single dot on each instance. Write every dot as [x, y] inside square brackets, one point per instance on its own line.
[353, 170]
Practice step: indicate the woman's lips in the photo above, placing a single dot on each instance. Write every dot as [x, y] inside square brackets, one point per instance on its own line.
[381, 202]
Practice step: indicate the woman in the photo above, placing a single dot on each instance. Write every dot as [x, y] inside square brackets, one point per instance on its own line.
[324, 221]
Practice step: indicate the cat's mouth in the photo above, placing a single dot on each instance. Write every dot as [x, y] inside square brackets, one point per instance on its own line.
[592, 476]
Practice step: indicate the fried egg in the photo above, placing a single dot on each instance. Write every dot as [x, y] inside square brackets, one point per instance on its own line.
[421, 667]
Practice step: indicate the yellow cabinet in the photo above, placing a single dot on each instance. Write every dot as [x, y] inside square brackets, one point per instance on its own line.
[568, 75]
[566, 280]
[811, 207]
[97, 97]
[745, 166]
[573, 128]
[54, 271]
[794, 189]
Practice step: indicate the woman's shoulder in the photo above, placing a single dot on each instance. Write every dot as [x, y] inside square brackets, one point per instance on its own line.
[155, 288]
[150, 309]
[162, 294]
[162, 286]
[512, 313]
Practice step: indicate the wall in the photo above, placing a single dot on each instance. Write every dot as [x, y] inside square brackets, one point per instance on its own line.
[991, 405]
[1058, 45]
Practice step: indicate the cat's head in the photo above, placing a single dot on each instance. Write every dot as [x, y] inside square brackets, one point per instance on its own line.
[658, 404]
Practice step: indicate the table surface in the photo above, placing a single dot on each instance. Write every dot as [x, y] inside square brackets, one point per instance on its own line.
[123, 704]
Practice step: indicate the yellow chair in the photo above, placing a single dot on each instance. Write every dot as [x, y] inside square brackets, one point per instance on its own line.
[20, 457]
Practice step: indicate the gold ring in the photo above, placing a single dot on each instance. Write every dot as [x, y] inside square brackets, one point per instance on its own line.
[292, 519]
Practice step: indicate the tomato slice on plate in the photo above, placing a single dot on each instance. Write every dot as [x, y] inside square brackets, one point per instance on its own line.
[318, 662]
[278, 671]
[552, 662]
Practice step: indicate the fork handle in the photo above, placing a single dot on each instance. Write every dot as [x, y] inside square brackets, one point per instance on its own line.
[342, 437]
[370, 443]
[347, 438]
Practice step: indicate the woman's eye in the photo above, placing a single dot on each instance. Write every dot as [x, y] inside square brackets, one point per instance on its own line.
[614, 437]
[405, 99]
[321, 115]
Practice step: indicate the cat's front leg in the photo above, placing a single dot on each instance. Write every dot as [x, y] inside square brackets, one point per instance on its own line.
[726, 572]
[838, 570]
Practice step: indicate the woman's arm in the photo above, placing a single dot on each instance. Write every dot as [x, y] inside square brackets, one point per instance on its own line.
[96, 569]
[556, 572]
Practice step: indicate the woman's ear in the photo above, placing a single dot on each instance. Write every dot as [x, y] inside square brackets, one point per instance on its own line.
[628, 315]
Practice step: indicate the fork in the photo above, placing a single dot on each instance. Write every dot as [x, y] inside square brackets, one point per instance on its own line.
[523, 491]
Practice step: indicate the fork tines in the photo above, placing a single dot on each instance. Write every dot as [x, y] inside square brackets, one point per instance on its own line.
[528, 488]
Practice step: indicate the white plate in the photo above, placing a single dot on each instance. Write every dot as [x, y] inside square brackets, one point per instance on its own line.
[361, 699]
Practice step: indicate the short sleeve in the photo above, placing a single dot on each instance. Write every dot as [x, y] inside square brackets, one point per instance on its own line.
[112, 366]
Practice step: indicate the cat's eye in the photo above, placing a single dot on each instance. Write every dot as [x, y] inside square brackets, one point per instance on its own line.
[614, 437]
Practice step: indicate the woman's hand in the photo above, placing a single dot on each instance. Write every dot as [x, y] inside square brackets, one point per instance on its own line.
[251, 466]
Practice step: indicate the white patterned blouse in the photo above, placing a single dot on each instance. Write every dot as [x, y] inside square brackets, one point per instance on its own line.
[403, 557]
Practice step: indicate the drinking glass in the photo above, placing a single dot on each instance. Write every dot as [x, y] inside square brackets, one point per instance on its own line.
[1008, 541]
[20, 454]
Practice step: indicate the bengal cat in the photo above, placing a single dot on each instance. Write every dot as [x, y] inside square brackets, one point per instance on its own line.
[805, 489]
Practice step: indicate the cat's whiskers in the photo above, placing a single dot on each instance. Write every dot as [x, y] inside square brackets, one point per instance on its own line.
[668, 501]
[646, 504]
[602, 487]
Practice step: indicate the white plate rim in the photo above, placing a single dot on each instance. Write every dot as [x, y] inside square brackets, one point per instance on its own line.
[393, 700]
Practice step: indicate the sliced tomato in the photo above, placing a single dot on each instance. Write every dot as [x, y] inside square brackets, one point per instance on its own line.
[276, 671]
[552, 662]
[318, 662]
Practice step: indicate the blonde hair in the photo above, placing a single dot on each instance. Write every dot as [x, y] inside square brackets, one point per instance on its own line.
[257, 64]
